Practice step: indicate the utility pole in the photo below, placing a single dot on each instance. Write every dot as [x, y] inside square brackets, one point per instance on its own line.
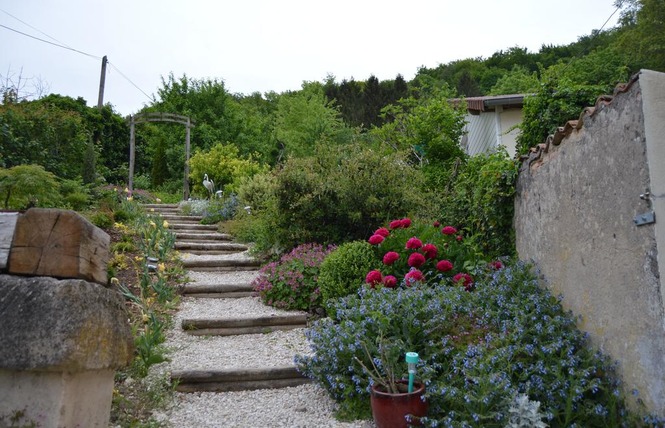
[102, 79]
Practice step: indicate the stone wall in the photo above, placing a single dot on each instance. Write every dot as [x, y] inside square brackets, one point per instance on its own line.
[577, 198]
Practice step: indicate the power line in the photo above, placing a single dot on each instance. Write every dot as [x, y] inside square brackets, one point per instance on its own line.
[133, 84]
[60, 45]
[36, 29]
[51, 43]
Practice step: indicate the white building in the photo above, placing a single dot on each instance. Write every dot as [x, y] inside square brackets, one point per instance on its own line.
[491, 121]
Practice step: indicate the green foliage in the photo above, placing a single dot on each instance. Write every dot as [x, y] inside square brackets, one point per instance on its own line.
[291, 283]
[224, 166]
[101, 219]
[23, 186]
[480, 202]
[319, 197]
[306, 118]
[642, 36]
[518, 80]
[220, 209]
[429, 127]
[342, 272]
[477, 351]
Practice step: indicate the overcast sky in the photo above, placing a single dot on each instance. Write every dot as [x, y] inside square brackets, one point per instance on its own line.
[262, 45]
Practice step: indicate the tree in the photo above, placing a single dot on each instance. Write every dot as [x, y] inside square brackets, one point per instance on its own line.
[518, 81]
[25, 186]
[642, 37]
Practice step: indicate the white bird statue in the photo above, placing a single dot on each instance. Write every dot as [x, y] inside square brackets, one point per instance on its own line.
[208, 184]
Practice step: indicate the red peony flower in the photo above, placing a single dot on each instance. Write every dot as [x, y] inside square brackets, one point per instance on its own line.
[374, 277]
[390, 258]
[496, 265]
[382, 231]
[413, 243]
[430, 251]
[375, 239]
[463, 279]
[444, 266]
[395, 224]
[405, 222]
[413, 276]
[390, 281]
[437, 224]
[449, 230]
[416, 260]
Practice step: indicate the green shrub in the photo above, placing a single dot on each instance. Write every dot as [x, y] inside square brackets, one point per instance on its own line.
[220, 210]
[25, 186]
[477, 351]
[344, 270]
[291, 283]
[341, 193]
[78, 201]
[101, 219]
[481, 202]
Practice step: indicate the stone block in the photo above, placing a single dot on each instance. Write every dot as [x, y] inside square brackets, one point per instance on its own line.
[61, 341]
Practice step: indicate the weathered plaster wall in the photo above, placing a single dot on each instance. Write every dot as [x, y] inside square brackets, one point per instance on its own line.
[575, 206]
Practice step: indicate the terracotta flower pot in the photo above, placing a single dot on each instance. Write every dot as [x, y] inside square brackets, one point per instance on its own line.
[389, 410]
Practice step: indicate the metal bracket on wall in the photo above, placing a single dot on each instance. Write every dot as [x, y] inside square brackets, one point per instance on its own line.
[646, 218]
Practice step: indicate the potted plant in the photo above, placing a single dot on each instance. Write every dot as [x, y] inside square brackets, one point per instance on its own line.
[396, 401]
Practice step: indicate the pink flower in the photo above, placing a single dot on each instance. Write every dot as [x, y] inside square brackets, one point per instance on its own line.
[374, 277]
[449, 230]
[416, 260]
[375, 239]
[459, 238]
[382, 231]
[429, 250]
[406, 223]
[413, 276]
[463, 279]
[496, 265]
[437, 224]
[390, 281]
[390, 258]
[413, 243]
[444, 266]
[395, 224]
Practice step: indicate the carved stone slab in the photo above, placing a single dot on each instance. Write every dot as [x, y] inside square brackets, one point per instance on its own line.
[60, 244]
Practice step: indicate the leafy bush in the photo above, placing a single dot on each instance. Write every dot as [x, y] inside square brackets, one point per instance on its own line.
[291, 283]
[478, 350]
[24, 186]
[481, 202]
[224, 166]
[101, 219]
[341, 193]
[342, 272]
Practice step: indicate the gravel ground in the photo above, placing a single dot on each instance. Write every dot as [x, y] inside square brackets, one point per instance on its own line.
[302, 406]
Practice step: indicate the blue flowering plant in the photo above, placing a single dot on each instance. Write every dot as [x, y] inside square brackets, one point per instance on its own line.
[479, 350]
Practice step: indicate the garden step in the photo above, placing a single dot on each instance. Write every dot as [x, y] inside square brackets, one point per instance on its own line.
[193, 227]
[220, 264]
[160, 206]
[179, 218]
[210, 247]
[236, 379]
[190, 236]
[234, 326]
[218, 291]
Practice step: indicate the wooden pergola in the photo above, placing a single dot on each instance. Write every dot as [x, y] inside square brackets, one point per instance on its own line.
[159, 117]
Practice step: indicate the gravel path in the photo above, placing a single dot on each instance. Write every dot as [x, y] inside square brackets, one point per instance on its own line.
[302, 406]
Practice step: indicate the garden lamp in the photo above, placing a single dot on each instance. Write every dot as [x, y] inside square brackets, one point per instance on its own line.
[411, 361]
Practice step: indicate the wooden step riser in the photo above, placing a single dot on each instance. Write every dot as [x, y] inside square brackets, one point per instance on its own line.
[229, 295]
[209, 252]
[237, 380]
[193, 227]
[215, 288]
[198, 237]
[267, 321]
[221, 264]
[221, 268]
[235, 331]
[241, 386]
